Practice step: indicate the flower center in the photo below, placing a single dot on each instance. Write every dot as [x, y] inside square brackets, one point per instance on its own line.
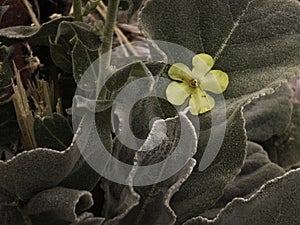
[194, 83]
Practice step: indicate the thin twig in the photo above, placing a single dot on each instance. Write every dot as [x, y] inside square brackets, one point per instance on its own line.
[31, 13]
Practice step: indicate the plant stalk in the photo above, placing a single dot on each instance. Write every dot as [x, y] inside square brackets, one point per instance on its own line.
[108, 32]
[77, 10]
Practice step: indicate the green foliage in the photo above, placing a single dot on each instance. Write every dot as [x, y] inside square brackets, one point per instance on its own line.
[256, 42]
[275, 203]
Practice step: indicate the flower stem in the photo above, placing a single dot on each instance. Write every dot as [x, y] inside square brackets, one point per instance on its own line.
[77, 10]
[108, 32]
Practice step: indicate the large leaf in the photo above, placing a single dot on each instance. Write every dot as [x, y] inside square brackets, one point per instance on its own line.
[277, 202]
[257, 170]
[152, 206]
[32, 171]
[256, 42]
[203, 188]
[269, 115]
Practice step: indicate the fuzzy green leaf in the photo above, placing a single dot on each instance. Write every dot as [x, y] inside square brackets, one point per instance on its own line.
[82, 58]
[58, 204]
[257, 170]
[285, 149]
[255, 42]
[3, 9]
[268, 116]
[152, 204]
[203, 188]
[277, 202]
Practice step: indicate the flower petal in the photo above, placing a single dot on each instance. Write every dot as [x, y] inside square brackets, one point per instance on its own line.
[180, 72]
[202, 63]
[201, 102]
[215, 81]
[177, 93]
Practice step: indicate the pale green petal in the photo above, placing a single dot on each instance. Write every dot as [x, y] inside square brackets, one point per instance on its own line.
[180, 72]
[177, 93]
[201, 102]
[215, 81]
[202, 63]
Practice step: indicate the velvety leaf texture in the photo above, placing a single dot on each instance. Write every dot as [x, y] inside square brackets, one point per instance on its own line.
[257, 170]
[277, 202]
[203, 188]
[285, 149]
[33, 171]
[153, 207]
[255, 41]
[269, 115]
[61, 204]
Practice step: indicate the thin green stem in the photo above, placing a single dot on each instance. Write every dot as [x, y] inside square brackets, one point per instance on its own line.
[77, 10]
[108, 32]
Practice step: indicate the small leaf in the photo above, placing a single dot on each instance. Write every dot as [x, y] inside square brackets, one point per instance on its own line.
[82, 58]
[38, 35]
[68, 30]
[3, 9]
[60, 204]
[60, 56]
[277, 202]
[53, 132]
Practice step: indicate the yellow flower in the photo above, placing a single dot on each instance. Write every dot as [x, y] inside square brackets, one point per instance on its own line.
[195, 83]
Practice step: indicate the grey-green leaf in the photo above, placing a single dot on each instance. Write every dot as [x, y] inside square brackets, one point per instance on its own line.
[269, 115]
[39, 35]
[82, 58]
[33, 171]
[60, 204]
[255, 41]
[3, 9]
[53, 131]
[153, 205]
[285, 149]
[257, 170]
[277, 202]
[203, 188]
